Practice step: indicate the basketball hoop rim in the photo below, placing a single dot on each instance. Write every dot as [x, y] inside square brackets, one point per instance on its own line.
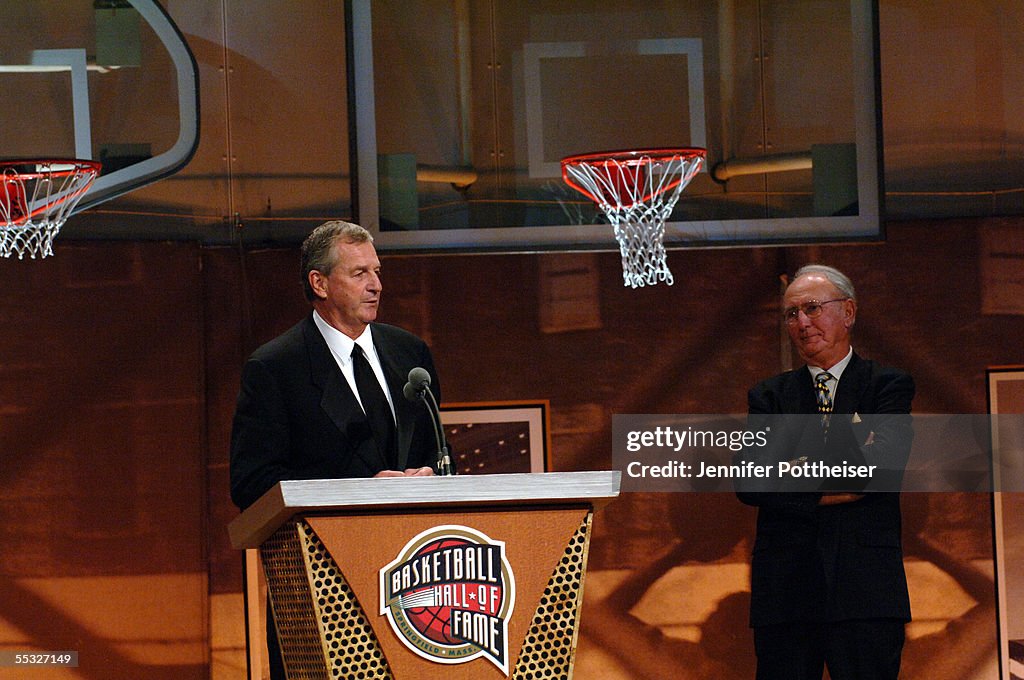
[76, 164]
[630, 158]
[14, 171]
[635, 156]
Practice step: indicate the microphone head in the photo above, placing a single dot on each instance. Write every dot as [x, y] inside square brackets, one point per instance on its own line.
[410, 392]
[419, 378]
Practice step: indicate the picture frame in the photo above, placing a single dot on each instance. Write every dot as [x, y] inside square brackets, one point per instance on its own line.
[1006, 395]
[498, 436]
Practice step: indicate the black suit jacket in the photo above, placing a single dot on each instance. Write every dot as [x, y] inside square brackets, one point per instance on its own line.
[814, 563]
[297, 417]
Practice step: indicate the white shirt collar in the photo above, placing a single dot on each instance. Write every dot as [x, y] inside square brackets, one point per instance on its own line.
[341, 349]
[836, 371]
[340, 344]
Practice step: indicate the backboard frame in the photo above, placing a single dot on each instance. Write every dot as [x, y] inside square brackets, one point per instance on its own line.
[865, 226]
[175, 158]
[134, 176]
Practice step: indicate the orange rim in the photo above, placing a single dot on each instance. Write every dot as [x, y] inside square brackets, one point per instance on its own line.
[630, 158]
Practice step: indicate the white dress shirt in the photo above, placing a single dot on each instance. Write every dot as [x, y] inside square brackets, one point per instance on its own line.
[836, 372]
[341, 348]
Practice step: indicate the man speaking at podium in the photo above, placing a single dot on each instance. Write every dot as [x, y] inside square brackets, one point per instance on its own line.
[325, 399]
[828, 588]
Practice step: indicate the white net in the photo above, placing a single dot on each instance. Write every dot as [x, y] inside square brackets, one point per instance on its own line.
[637, 192]
[36, 198]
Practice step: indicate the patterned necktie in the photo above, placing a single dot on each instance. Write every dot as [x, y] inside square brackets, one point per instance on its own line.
[375, 406]
[824, 398]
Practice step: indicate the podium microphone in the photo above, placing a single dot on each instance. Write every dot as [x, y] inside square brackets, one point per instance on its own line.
[418, 389]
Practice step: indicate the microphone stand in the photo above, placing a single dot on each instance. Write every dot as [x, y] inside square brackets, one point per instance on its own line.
[443, 466]
[444, 461]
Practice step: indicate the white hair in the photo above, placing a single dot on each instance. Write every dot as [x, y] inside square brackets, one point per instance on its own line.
[838, 279]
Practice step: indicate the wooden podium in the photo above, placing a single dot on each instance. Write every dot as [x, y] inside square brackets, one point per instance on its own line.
[422, 577]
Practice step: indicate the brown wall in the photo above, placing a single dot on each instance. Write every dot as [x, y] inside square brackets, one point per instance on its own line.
[119, 368]
[102, 456]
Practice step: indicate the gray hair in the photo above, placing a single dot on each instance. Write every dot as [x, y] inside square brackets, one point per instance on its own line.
[318, 253]
[838, 279]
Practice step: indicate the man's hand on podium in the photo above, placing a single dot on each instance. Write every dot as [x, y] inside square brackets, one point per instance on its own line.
[409, 472]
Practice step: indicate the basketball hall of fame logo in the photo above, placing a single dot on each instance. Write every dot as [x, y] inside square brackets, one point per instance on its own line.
[449, 596]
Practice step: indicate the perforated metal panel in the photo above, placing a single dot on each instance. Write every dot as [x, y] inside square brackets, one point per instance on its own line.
[288, 582]
[350, 646]
[330, 635]
[549, 649]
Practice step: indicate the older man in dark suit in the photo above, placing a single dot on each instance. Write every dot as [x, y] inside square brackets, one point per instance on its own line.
[300, 412]
[325, 399]
[828, 588]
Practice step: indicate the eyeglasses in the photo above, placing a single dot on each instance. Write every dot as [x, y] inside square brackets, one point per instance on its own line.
[811, 310]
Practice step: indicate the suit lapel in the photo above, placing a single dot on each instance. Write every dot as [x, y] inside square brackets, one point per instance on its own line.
[337, 399]
[803, 391]
[847, 397]
[801, 394]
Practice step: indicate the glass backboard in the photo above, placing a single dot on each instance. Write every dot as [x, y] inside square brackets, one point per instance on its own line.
[464, 110]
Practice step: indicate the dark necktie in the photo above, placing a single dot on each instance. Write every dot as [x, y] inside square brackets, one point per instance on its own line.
[824, 398]
[375, 405]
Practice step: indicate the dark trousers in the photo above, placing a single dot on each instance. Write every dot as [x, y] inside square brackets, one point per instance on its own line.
[851, 650]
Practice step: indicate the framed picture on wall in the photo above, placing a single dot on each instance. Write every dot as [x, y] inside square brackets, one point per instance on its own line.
[496, 437]
[1006, 396]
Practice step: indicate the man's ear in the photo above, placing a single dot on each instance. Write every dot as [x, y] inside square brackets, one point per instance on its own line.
[318, 283]
[850, 313]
